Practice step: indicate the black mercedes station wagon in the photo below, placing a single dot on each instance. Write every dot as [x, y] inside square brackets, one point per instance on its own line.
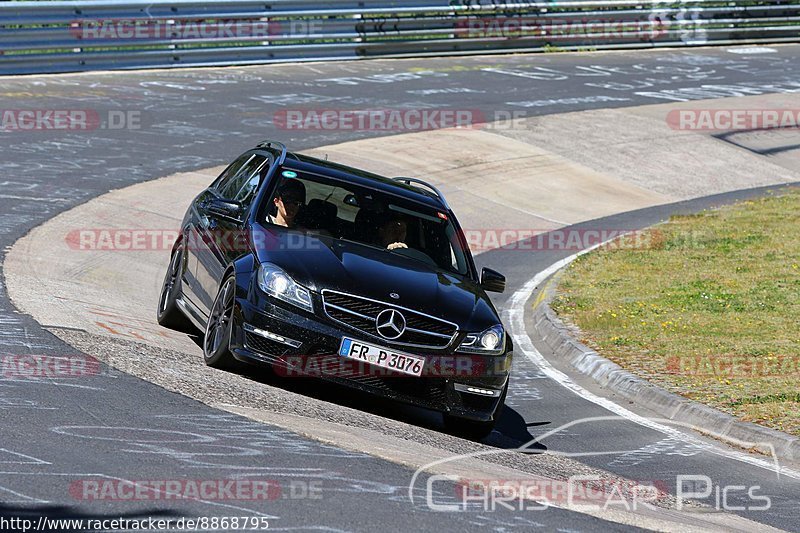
[312, 268]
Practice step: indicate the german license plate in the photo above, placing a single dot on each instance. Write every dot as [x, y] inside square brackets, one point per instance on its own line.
[382, 357]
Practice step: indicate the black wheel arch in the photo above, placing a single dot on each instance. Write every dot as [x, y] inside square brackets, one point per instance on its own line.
[243, 269]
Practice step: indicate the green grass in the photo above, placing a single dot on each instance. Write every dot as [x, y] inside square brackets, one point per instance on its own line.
[707, 307]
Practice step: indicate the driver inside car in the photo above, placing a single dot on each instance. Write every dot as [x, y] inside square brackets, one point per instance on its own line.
[289, 199]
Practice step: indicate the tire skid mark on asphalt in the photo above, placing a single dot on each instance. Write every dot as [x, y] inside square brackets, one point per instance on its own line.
[22, 403]
[21, 458]
[522, 385]
[667, 446]
[24, 498]
[82, 475]
[207, 445]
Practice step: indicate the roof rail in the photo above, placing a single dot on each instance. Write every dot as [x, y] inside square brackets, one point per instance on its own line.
[417, 181]
[277, 146]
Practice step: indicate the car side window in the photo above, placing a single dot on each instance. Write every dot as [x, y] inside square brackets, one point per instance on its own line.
[229, 173]
[230, 189]
[247, 192]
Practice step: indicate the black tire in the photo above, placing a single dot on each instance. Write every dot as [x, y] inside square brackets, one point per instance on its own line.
[471, 429]
[217, 340]
[169, 314]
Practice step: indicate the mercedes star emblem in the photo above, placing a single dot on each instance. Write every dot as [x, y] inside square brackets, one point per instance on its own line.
[390, 324]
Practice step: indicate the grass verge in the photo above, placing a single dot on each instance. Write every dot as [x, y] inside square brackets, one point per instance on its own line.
[707, 306]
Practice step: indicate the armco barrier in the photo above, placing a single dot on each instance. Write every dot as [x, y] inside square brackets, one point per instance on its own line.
[103, 34]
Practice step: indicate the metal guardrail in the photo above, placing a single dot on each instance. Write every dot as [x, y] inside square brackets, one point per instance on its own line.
[58, 36]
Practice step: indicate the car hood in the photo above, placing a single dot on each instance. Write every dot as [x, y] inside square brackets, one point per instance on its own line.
[320, 262]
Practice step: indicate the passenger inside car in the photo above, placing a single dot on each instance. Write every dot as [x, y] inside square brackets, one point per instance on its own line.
[392, 232]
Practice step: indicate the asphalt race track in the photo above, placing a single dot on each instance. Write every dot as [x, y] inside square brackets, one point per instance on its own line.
[60, 434]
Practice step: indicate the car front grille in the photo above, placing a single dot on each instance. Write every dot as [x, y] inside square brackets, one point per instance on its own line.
[431, 391]
[422, 330]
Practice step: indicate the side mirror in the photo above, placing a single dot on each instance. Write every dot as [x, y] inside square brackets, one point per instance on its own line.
[225, 208]
[492, 281]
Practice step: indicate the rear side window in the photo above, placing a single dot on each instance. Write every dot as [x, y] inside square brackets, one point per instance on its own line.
[229, 189]
[229, 173]
[247, 192]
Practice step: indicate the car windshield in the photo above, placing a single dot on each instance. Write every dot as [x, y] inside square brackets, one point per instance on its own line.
[329, 207]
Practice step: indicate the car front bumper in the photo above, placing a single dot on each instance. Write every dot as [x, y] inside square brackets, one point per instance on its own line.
[298, 344]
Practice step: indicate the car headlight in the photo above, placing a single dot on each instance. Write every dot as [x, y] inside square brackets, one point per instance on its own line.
[275, 282]
[490, 341]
